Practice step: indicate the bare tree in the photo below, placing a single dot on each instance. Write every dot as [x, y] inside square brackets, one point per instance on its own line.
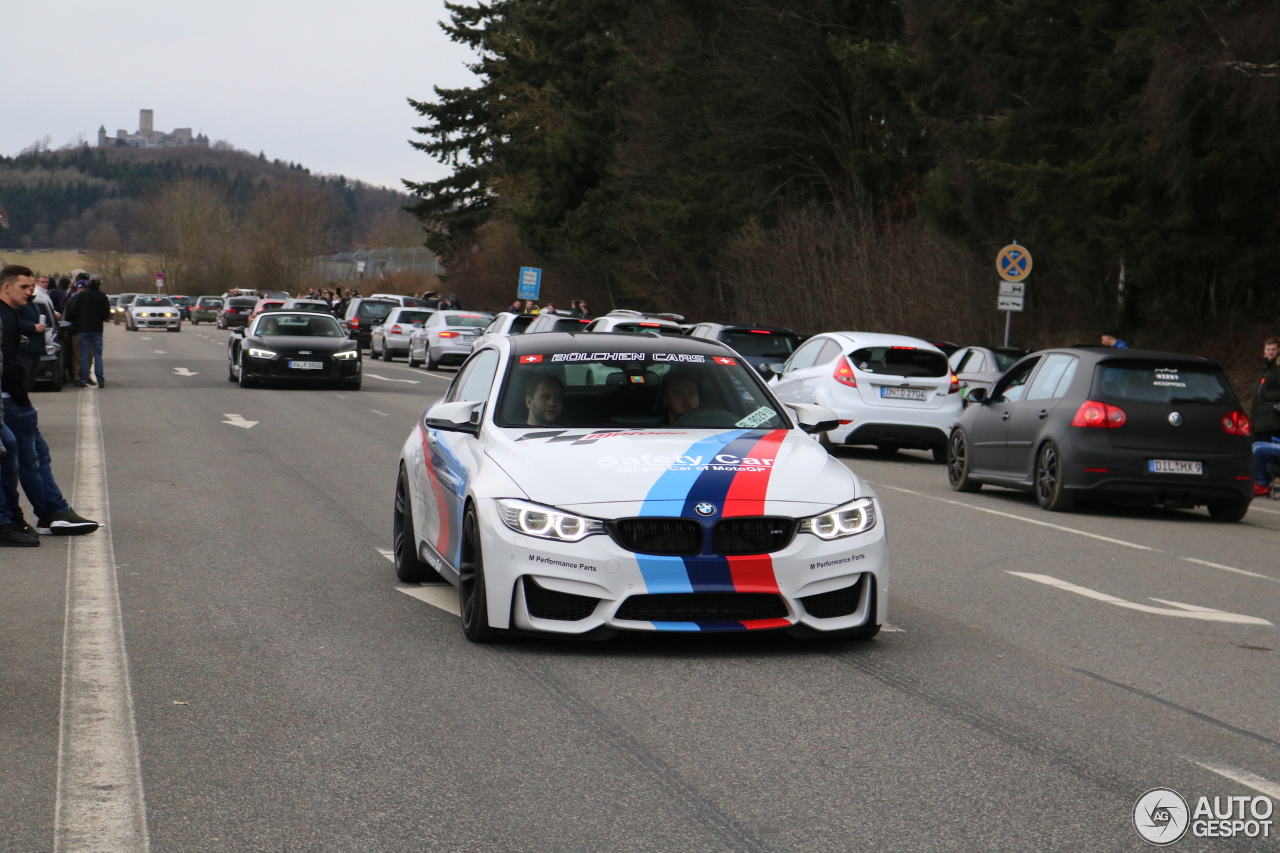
[190, 225]
[288, 227]
[394, 229]
[106, 255]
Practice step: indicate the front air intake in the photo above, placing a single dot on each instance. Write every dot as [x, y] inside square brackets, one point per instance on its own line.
[543, 603]
[677, 537]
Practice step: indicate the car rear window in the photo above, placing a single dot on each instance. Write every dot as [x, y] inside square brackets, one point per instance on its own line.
[245, 302]
[209, 303]
[762, 344]
[519, 324]
[413, 316]
[1145, 381]
[671, 331]
[414, 302]
[901, 361]
[369, 310]
[467, 321]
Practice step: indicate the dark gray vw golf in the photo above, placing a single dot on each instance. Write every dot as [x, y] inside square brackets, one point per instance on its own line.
[1114, 424]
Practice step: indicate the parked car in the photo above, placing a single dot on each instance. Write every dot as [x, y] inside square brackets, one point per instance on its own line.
[184, 305]
[890, 391]
[266, 304]
[502, 325]
[205, 309]
[317, 305]
[235, 311]
[362, 315]
[1099, 422]
[391, 337]
[153, 312]
[980, 367]
[445, 338]
[51, 371]
[760, 346]
[634, 322]
[402, 301]
[123, 301]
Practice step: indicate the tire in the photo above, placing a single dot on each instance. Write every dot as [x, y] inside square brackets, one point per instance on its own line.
[245, 381]
[373, 353]
[231, 374]
[386, 353]
[940, 453]
[177, 328]
[404, 544]
[1050, 492]
[1228, 512]
[432, 364]
[958, 463]
[413, 362]
[473, 599]
[352, 384]
[888, 449]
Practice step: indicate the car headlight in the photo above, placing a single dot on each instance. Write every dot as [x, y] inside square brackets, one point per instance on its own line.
[347, 354]
[849, 520]
[254, 352]
[170, 314]
[547, 522]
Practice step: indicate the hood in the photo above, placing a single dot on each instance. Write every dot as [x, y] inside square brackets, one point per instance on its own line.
[282, 343]
[615, 474]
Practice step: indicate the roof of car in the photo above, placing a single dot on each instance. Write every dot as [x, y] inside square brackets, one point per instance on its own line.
[733, 327]
[1101, 353]
[552, 342]
[882, 339]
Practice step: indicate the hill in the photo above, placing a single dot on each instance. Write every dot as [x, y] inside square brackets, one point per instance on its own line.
[64, 199]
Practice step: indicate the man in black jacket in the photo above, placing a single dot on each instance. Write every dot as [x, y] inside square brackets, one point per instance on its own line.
[13, 528]
[1263, 416]
[86, 313]
[54, 516]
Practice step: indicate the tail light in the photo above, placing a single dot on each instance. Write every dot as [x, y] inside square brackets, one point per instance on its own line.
[1236, 423]
[651, 325]
[1095, 414]
[844, 372]
[395, 330]
[354, 322]
[451, 334]
[955, 385]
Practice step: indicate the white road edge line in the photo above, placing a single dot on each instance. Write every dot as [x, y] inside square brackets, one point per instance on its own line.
[1230, 569]
[1024, 518]
[1186, 611]
[99, 803]
[1244, 777]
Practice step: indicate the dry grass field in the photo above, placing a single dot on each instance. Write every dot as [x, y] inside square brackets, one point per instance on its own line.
[63, 261]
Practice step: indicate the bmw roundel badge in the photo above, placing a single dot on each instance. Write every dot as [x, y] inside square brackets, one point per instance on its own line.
[705, 509]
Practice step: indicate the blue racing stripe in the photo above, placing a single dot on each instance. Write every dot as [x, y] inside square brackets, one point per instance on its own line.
[711, 573]
[676, 626]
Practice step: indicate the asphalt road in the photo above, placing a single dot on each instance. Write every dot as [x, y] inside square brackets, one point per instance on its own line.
[288, 696]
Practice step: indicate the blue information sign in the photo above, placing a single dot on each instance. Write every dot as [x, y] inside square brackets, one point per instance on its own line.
[530, 283]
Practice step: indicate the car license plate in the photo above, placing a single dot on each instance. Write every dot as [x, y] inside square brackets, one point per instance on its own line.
[307, 365]
[903, 393]
[1174, 466]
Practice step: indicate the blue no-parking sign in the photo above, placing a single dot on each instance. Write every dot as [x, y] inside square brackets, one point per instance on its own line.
[530, 283]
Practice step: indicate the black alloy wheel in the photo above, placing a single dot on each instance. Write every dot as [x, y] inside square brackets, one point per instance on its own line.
[1050, 492]
[245, 381]
[231, 369]
[404, 544]
[473, 599]
[958, 462]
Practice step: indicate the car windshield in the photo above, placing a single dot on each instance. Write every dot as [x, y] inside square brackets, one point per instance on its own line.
[901, 361]
[305, 325]
[762, 344]
[210, 303]
[467, 321]
[637, 328]
[413, 316]
[1162, 382]
[615, 389]
[1006, 360]
[244, 302]
[308, 306]
[153, 301]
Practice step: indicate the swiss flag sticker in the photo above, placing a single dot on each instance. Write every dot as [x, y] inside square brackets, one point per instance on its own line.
[530, 359]
[722, 360]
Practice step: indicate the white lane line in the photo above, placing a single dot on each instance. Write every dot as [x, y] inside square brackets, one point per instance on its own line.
[1186, 611]
[1024, 518]
[1230, 569]
[892, 629]
[384, 414]
[1244, 777]
[1253, 507]
[389, 379]
[388, 553]
[99, 803]
[238, 421]
[183, 371]
[441, 595]
[159, 352]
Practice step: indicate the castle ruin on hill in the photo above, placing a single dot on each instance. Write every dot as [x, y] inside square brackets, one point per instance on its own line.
[148, 137]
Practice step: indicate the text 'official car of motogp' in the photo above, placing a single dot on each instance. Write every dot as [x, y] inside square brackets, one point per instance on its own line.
[590, 483]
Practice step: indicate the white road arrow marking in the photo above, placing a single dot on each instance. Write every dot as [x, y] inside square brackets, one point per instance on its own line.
[182, 371]
[388, 553]
[238, 421]
[1186, 611]
[159, 352]
[389, 379]
[440, 595]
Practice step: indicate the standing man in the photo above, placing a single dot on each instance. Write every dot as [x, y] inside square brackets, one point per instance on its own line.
[14, 532]
[1263, 416]
[54, 516]
[87, 313]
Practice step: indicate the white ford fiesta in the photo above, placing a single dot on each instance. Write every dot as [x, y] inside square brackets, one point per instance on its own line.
[591, 483]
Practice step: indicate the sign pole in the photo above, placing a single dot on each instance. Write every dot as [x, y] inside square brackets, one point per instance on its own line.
[1008, 316]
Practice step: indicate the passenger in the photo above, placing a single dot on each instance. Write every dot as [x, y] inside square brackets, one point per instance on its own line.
[680, 396]
[544, 396]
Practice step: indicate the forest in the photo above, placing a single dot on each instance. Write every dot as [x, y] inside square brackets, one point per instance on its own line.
[858, 163]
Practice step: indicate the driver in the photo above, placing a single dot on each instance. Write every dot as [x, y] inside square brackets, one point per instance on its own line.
[270, 326]
[680, 396]
[544, 396]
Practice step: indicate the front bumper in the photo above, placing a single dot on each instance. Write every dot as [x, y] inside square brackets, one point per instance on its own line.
[810, 586]
[157, 322]
[277, 369]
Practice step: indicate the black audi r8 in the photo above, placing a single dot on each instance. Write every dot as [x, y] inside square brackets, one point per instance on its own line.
[293, 346]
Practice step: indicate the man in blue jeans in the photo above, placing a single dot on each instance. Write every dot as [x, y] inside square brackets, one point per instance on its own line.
[54, 516]
[13, 529]
[86, 314]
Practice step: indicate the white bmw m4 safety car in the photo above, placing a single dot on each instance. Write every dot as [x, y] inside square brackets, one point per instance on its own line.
[591, 483]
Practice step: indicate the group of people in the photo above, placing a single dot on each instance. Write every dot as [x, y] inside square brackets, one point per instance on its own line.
[1264, 417]
[24, 453]
[577, 308]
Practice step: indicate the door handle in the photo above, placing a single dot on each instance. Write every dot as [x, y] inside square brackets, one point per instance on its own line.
[1005, 416]
[1044, 413]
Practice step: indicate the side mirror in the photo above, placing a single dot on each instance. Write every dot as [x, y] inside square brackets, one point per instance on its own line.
[977, 396]
[777, 367]
[813, 419]
[456, 417]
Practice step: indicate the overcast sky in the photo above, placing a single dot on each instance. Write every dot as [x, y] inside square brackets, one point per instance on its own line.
[318, 82]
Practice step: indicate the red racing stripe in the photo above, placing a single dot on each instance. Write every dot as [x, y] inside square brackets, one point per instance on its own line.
[752, 574]
[757, 624]
[442, 504]
[746, 496]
